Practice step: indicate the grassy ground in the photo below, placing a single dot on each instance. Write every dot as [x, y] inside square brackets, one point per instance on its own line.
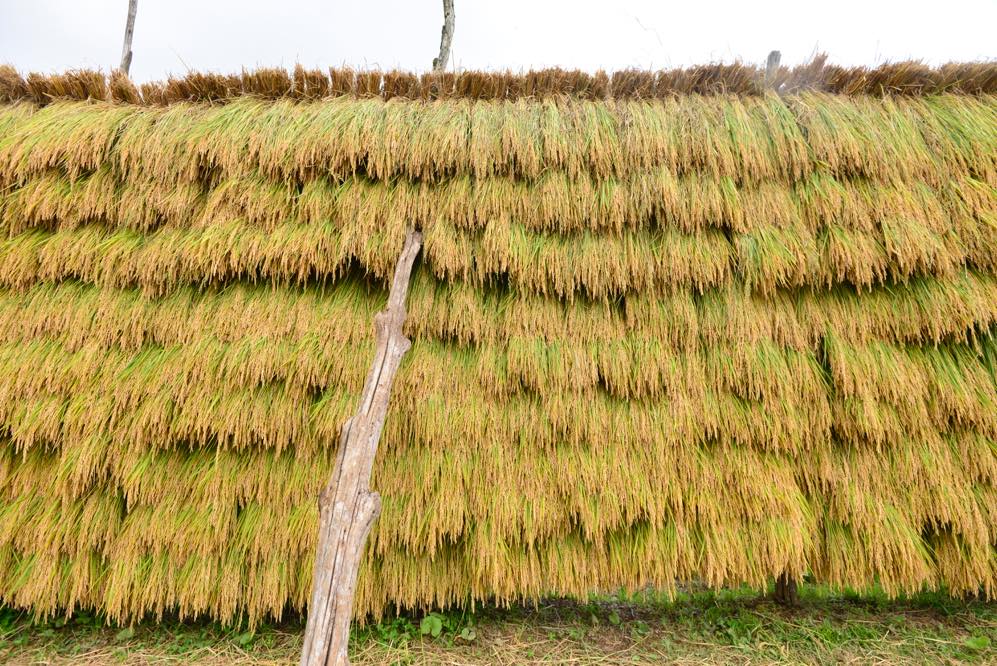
[730, 627]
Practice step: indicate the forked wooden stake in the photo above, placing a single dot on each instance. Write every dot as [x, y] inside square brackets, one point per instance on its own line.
[347, 507]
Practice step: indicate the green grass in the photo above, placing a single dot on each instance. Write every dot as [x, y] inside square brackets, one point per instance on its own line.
[697, 627]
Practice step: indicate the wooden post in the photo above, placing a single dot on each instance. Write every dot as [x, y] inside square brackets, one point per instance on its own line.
[772, 68]
[126, 48]
[786, 592]
[446, 38]
[347, 507]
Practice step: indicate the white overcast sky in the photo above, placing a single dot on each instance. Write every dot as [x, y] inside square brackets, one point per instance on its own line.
[172, 36]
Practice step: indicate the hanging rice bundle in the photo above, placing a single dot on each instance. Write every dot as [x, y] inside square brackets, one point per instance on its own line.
[666, 326]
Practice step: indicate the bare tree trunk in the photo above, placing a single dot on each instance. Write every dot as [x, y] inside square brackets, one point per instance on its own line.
[126, 48]
[347, 507]
[446, 38]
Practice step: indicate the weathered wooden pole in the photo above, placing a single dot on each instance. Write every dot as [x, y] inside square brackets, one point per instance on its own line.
[126, 47]
[772, 68]
[446, 38]
[785, 585]
[347, 506]
[786, 592]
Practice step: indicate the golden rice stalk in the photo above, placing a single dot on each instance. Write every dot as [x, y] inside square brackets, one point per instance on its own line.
[122, 90]
[13, 88]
